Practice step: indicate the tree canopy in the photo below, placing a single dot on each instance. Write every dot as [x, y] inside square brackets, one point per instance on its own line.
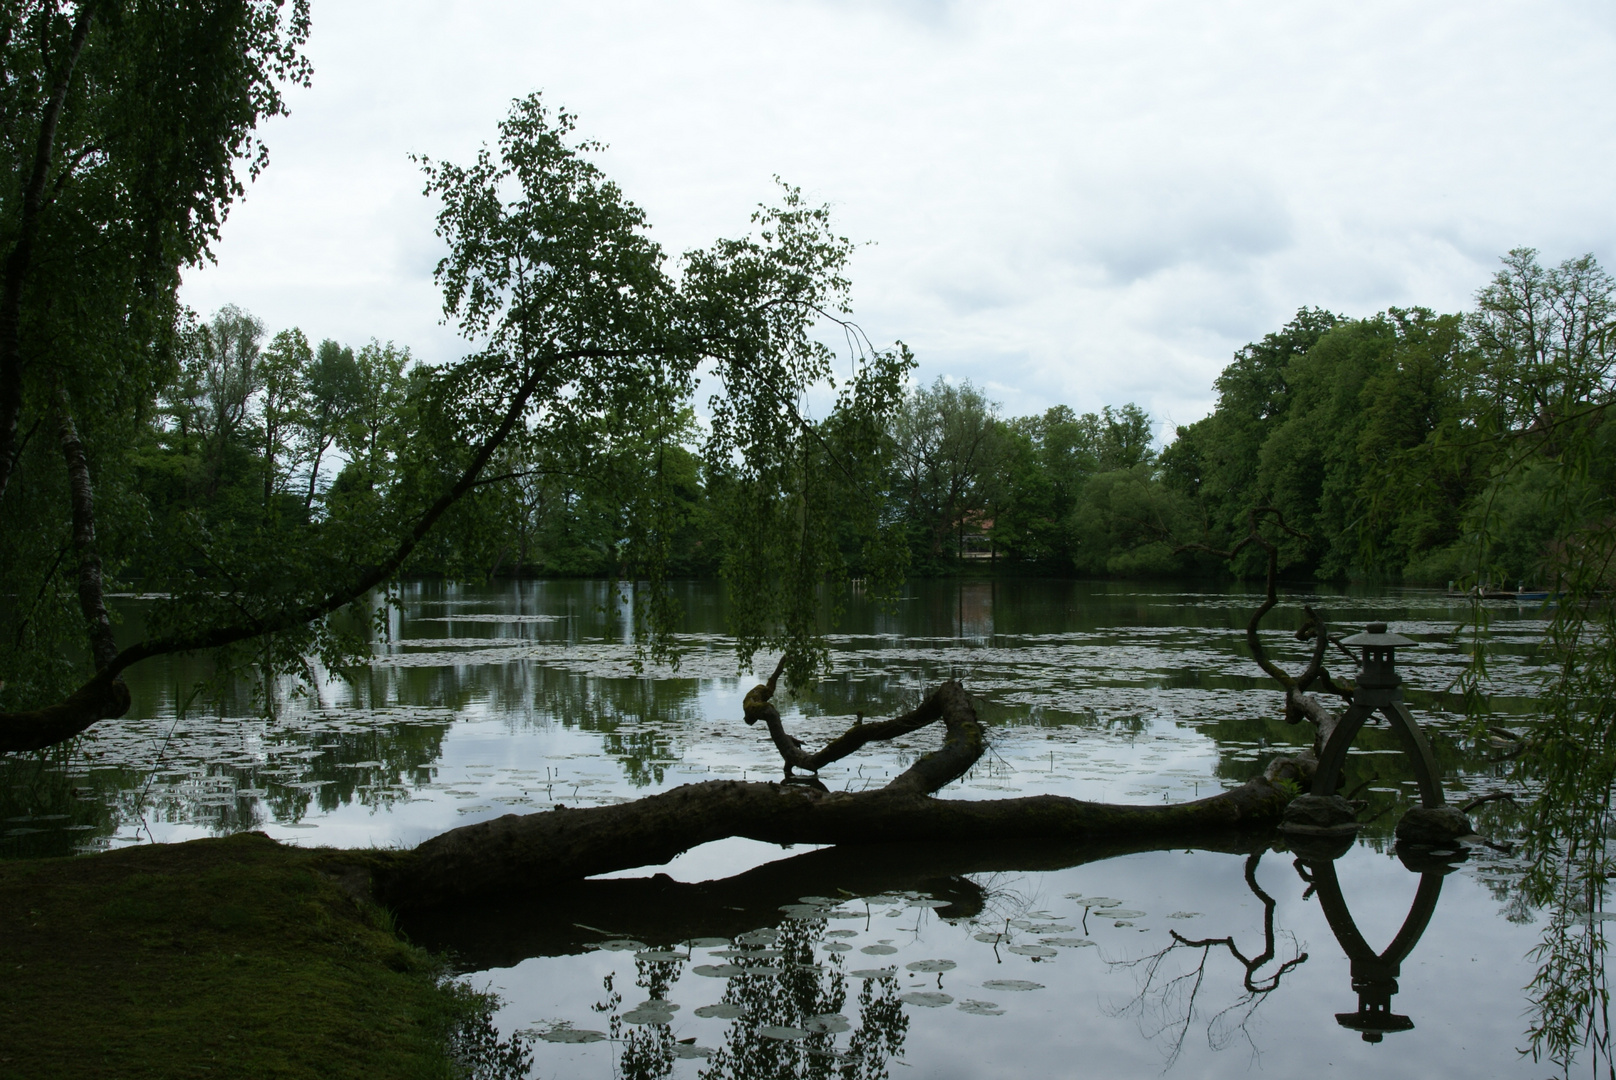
[587, 350]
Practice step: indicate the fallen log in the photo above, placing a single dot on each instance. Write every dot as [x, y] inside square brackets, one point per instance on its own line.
[519, 856]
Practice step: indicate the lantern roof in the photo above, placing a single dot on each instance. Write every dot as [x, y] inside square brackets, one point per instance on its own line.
[1375, 634]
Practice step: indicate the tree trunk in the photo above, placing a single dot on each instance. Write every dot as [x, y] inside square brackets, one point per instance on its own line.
[522, 856]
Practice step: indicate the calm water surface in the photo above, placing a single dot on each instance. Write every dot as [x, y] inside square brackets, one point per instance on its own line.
[748, 961]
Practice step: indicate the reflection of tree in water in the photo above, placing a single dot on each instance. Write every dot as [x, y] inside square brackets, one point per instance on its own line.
[1173, 999]
[807, 996]
[646, 1051]
[781, 989]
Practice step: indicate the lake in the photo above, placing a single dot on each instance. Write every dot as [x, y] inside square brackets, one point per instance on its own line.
[742, 959]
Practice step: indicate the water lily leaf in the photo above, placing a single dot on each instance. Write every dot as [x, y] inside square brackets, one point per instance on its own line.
[821, 901]
[1011, 984]
[878, 950]
[990, 937]
[932, 966]
[644, 1015]
[781, 1032]
[827, 1024]
[841, 933]
[1101, 902]
[1041, 927]
[572, 1035]
[838, 946]
[928, 999]
[980, 1008]
[759, 937]
[1123, 913]
[802, 911]
[1032, 950]
[873, 973]
[658, 955]
[684, 1050]
[724, 1010]
[718, 971]
[622, 945]
[707, 942]
[1066, 942]
[928, 902]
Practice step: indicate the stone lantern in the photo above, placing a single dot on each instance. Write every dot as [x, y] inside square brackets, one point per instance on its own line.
[1378, 690]
[1378, 669]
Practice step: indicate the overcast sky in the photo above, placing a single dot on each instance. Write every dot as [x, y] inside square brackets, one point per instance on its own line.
[1087, 203]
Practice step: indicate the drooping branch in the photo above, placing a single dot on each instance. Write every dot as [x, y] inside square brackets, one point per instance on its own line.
[93, 701]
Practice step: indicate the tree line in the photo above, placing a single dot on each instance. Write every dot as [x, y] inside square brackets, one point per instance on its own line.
[1381, 441]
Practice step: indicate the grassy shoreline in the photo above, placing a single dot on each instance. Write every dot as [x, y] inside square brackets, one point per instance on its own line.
[227, 957]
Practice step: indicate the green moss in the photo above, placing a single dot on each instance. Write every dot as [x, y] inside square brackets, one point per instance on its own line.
[231, 957]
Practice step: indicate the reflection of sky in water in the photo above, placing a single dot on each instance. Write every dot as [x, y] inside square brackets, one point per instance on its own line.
[1096, 1014]
[523, 697]
[483, 702]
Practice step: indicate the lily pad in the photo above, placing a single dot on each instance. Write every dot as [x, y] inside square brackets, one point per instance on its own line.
[878, 950]
[927, 999]
[622, 945]
[1124, 913]
[1101, 902]
[658, 955]
[1011, 984]
[1041, 927]
[980, 1008]
[827, 1024]
[1066, 942]
[932, 966]
[647, 1015]
[821, 901]
[928, 902]
[838, 946]
[802, 911]
[1033, 950]
[724, 1010]
[873, 973]
[990, 937]
[765, 936]
[718, 971]
[707, 942]
[572, 1035]
[685, 1050]
[841, 933]
[781, 1032]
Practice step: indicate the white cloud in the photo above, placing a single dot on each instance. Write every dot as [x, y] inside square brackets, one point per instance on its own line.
[1080, 203]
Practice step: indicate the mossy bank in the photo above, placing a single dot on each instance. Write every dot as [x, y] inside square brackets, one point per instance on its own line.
[234, 957]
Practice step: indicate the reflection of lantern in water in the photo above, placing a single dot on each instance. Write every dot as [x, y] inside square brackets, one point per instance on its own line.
[1374, 975]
